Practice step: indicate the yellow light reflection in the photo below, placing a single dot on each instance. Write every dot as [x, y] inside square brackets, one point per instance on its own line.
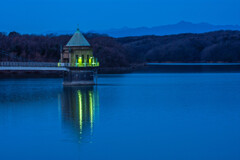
[91, 109]
[80, 110]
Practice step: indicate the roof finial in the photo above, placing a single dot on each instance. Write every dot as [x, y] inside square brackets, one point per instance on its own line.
[77, 27]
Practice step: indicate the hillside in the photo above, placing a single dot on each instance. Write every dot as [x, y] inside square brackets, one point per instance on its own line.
[219, 46]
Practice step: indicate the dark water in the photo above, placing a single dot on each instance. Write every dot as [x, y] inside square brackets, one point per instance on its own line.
[132, 116]
[190, 68]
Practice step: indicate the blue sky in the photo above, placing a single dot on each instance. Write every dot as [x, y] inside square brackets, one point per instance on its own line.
[38, 16]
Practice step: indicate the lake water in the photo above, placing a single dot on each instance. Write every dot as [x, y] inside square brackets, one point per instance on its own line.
[166, 116]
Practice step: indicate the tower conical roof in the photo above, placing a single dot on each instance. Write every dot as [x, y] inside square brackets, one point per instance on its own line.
[78, 40]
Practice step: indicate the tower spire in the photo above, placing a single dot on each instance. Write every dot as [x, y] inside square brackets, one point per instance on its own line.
[78, 40]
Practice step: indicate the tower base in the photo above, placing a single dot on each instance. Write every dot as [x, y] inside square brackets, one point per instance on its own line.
[79, 77]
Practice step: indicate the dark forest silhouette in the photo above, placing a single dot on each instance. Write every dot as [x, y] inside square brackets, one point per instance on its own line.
[219, 46]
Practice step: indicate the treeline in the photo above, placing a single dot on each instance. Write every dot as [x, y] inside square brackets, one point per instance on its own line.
[16, 47]
[220, 46]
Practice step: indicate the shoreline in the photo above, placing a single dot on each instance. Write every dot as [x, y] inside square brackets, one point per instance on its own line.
[136, 68]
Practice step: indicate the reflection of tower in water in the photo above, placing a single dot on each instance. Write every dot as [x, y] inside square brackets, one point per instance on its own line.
[79, 110]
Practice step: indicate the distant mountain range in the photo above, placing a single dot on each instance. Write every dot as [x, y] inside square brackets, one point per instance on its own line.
[181, 27]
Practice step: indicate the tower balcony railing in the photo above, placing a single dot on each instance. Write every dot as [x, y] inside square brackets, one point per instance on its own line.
[78, 64]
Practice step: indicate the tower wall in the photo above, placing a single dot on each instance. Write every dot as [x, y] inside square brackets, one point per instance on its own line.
[86, 53]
